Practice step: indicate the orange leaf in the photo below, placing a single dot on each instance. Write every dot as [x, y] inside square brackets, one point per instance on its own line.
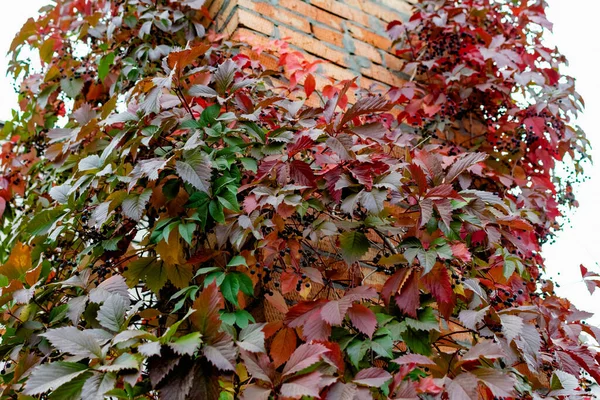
[283, 346]
[18, 263]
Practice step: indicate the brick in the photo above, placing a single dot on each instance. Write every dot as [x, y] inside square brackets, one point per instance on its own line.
[399, 6]
[277, 13]
[343, 10]
[221, 10]
[366, 50]
[254, 22]
[367, 36]
[393, 62]
[232, 25]
[308, 11]
[328, 35]
[383, 13]
[382, 74]
[314, 46]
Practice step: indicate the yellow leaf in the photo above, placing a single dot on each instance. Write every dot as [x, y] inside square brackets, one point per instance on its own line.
[47, 50]
[179, 272]
[18, 262]
[172, 252]
[180, 275]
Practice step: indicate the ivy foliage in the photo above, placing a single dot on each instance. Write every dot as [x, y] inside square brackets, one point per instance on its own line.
[179, 221]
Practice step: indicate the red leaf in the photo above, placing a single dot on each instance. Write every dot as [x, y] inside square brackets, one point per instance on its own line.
[309, 85]
[374, 377]
[461, 251]
[334, 356]
[408, 299]
[335, 310]
[419, 177]
[394, 283]
[363, 319]
[283, 346]
[437, 281]
[304, 356]
[302, 173]
[416, 359]
[535, 124]
[207, 318]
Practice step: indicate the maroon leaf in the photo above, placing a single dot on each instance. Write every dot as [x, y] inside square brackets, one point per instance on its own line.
[374, 377]
[408, 299]
[304, 356]
[206, 318]
[487, 349]
[363, 319]
[306, 385]
[394, 283]
[302, 173]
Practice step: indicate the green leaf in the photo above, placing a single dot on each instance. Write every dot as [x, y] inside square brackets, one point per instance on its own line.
[209, 115]
[147, 269]
[187, 231]
[216, 211]
[356, 351]
[383, 346]
[427, 321]
[236, 261]
[124, 361]
[245, 284]
[70, 390]
[250, 164]
[254, 130]
[229, 201]
[417, 341]
[187, 345]
[354, 245]
[230, 288]
[51, 376]
[43, 221]
[71, 86]
[242, 318]
[112, 313]
[104, 65]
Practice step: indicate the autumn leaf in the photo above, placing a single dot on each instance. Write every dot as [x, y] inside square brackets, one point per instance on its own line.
[283, 345]
[18, 262]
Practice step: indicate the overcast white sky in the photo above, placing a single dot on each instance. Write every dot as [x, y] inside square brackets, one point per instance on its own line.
[576, 35]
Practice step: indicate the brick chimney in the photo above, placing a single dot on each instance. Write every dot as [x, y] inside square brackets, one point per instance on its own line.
[348, 34]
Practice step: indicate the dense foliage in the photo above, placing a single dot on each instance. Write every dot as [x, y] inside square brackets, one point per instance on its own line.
[181, 222]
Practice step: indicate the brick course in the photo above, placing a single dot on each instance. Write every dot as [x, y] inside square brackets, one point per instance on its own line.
[348, 34]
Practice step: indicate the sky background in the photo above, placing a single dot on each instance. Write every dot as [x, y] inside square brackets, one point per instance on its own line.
[575, 34]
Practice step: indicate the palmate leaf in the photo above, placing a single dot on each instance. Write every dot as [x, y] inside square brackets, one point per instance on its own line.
[221, 353]
[304, 356]
[196, 172]
[354, 245]
[306, 385]
[252, 338]
[50, 376]
[187, 345]
[71, 340]
[374, 377]
[363, 319]
[97, 385]
[134, 205]
[112, 313]
[224, 75]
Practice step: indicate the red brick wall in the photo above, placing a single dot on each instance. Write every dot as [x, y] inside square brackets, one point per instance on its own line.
[348, 34]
